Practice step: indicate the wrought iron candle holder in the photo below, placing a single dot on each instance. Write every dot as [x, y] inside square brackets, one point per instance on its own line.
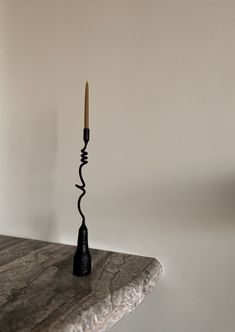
[82, 257]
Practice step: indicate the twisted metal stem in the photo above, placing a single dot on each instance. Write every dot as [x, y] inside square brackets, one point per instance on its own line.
[84, 161]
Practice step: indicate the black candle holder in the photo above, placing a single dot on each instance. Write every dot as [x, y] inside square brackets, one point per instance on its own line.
[82, 257]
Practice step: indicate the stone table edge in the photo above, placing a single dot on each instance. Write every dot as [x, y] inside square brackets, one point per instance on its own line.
[145, 282]
[121, 301]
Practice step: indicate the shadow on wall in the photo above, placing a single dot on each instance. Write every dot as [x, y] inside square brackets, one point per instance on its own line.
[206, 203]
[195, 204]
[31, 159]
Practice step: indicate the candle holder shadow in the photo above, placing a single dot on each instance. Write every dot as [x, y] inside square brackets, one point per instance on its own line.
[82, 257]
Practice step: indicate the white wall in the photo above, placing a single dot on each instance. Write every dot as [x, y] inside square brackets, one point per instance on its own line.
[161, 172]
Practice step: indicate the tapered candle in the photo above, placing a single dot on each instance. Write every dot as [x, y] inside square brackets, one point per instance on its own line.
[86, 107]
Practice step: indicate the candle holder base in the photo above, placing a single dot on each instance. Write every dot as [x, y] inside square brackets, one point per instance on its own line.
[82, 256]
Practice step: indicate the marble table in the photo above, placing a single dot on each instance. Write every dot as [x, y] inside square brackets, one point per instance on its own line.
[39, 293]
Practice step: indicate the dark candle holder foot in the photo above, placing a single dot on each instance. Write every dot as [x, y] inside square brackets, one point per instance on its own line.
[82, 257]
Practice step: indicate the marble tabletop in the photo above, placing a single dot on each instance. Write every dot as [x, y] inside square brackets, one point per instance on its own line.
[38, 291]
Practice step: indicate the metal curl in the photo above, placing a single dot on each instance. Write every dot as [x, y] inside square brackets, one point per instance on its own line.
[84, 161]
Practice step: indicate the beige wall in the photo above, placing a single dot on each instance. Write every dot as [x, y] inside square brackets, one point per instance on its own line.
[161, 172]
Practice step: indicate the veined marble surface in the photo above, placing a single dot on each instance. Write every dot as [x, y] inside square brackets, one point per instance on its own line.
[38, 291]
